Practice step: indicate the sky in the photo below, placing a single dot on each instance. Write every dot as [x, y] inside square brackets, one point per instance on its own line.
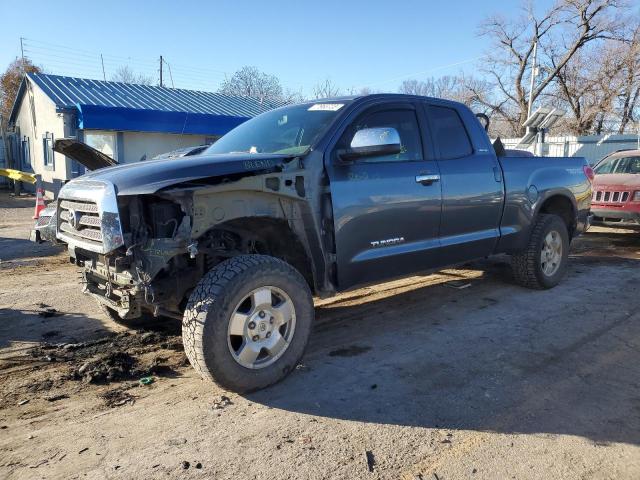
[353, 43]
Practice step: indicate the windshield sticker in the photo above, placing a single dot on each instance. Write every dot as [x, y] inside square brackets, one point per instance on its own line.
[330, 107]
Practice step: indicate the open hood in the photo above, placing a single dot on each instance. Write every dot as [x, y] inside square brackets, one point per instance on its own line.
[82, 153]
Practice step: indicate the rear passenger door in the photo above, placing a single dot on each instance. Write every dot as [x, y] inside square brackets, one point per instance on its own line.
[472, 189]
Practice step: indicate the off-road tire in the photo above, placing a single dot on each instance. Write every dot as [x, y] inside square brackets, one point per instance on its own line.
[206, 317]
[526, 265]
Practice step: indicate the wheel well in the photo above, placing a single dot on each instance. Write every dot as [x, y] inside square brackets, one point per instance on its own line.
[268, 236]
[561, 206]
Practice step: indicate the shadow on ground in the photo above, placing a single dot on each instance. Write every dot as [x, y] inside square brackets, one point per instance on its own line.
[491, 357]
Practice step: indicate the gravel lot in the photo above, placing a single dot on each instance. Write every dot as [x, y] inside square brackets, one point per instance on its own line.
[412, 379]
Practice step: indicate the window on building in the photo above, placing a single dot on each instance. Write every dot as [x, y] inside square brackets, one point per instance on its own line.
[449, 132]
[47, 148]
[102, 141]
[26, 152]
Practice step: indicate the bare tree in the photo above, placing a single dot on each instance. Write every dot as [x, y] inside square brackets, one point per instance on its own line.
[568, 26]
[588, 86]
[416, 87]
[124, 74]
[251, 82]
[10, 83]
[290, 96]
[629, 95]
[325, 89]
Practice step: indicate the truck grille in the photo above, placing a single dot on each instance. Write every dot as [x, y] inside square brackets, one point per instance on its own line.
[80, 220]
[601, 196]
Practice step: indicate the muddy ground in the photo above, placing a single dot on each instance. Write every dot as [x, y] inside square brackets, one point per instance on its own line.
[412, 379]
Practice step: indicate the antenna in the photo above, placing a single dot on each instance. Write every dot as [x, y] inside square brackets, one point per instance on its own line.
[22, 55]
[104, 76]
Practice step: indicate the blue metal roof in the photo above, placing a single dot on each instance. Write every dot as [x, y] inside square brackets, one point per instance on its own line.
[126, 106]
[70, 91]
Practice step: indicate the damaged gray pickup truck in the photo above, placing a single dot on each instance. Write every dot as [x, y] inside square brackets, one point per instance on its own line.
[312, 199]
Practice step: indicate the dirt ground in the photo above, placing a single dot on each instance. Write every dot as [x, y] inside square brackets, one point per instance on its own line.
[412, 379]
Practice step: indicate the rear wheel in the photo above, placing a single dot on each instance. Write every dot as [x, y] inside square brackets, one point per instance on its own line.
[544, 262]
[247, 322]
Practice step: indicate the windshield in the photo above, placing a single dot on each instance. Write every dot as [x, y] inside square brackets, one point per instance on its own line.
[288, 130]
[618, 165]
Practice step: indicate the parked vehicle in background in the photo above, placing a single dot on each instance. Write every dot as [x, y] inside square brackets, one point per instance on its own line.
[313, 198]
[182, 152]
[616, 191]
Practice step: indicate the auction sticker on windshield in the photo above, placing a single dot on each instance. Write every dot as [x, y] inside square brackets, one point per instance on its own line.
[331, 107]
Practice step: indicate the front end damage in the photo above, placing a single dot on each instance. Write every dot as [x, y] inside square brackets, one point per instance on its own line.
[145, 253]
[136, 251]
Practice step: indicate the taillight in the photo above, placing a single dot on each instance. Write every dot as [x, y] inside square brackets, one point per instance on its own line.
[588, 171]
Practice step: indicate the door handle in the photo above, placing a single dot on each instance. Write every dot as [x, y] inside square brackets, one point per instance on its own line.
[427, 179]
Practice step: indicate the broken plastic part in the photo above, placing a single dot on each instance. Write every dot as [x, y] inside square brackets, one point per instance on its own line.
[193, 249]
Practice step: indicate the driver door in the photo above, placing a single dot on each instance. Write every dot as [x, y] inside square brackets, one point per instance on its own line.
[386, 208]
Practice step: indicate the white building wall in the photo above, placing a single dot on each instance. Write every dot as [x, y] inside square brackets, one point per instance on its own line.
[36, 116]
[592, 147]
[3, 163]
[143, 145]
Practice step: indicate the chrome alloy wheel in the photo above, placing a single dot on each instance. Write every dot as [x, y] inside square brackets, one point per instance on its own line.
[261, 327]
[551, 254]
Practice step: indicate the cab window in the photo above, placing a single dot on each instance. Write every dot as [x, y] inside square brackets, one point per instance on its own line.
[405, 123]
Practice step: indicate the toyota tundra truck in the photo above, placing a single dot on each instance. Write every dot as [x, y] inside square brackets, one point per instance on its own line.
[312, 199]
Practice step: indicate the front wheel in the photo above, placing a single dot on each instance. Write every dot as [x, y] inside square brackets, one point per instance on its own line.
[247, 322]
[544, 262]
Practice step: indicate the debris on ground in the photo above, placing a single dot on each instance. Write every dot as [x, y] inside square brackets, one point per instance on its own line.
[114, 358]
[49, 312]
[22, 402]
[146, 381]
[371, 460]
[124, 356]
[185, 465]
[175, 442]
[107, 368]
[117, 397]
[221, 403]
[458, 284]
[55, 398]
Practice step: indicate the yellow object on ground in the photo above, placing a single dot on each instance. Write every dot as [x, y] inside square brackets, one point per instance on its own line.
[18, 175]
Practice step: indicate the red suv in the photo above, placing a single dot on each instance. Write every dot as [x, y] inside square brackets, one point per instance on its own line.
[616, 190]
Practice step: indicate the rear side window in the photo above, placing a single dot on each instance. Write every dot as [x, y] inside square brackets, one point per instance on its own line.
[449, 132]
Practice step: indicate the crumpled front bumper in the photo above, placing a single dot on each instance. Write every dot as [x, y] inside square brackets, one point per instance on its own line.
[116, 291]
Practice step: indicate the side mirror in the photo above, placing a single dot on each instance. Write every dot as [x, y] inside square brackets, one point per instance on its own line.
[370, 142]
